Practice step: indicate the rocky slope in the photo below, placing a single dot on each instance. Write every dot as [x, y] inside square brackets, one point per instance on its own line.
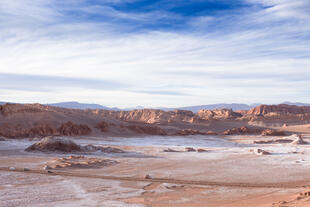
[279, 109]
[35, 120]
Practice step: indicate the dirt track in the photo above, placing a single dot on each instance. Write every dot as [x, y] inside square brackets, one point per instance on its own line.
[297, 184]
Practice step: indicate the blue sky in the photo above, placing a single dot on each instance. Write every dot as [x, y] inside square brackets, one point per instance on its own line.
[154, 53]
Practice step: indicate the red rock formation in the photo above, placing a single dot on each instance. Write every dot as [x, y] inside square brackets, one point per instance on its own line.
[71, 129]
[211, 133]
[152, 116]
[92, 148]
[186, 132]
[272, 132]
[41, 131]
[19, 132]
[31, 120]
[103, 126]
[190, 149]
[8, 109]
[55, 144]
[241, 131]
[147, 129]
[65, 145]
[218, 114]
[280, 109]
[79, 162]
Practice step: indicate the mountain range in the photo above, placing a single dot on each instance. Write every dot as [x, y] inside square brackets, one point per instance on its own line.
[77, 105]
[195, 109]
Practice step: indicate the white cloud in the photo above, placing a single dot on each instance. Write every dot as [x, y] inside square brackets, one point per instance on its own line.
[219, 66]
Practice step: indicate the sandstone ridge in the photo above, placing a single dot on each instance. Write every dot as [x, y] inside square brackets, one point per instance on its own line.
[35, 120]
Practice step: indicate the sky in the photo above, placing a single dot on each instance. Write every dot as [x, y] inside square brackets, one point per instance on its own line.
[123, 53]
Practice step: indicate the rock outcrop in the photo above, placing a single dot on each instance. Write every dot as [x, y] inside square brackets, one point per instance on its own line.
[35, 120]
[190, 149]
[146, 129]
[71, 129]
[242, 131]
[66, 145]
[186, 132]
[149, 116]
[280, 109]
[9, 109]
[202, 150]
[272, 132]
[79, 162]
[92, 148]
[171, 150]
[273, 141]
[103, 126]
[55, 144]
[218, 114]
[42, 130]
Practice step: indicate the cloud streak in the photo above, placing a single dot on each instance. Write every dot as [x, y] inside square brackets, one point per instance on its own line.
[211, 51]
[53, 83]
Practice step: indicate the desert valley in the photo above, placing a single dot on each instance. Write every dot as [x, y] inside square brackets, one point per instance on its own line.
[154, 103]
[53, 156]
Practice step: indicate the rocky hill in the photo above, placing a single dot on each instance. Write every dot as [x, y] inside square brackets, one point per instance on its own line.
[35, 120]
[279, 109]
[77, 105]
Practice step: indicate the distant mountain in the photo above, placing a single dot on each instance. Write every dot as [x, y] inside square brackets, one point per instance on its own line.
[195, 109]
[132, 108]
[233, 106]
[296, 103]
[77, 105]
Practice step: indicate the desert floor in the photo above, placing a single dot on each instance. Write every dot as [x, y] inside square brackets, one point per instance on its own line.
[228, 173]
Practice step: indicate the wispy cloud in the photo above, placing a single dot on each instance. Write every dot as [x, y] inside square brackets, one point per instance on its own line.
[53, 83]
[214, 51]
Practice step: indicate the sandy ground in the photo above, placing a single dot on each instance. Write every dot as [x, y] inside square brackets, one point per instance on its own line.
[236, 176]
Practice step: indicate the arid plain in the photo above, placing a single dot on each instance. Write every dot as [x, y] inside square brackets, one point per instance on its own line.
[52, 156]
